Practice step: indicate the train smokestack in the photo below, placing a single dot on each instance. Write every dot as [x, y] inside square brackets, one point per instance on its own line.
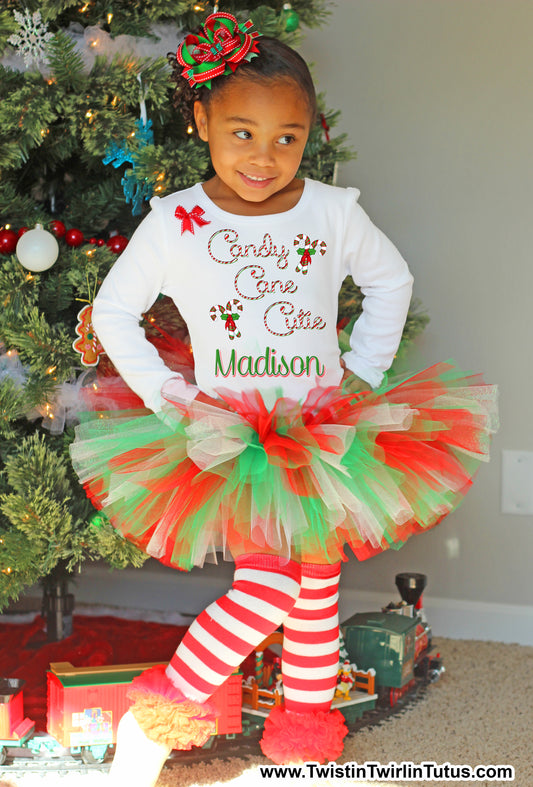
[411, 586]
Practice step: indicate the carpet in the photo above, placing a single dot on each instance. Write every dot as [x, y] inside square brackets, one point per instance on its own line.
[480, 712]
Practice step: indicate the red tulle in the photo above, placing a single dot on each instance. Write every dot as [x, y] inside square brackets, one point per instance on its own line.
[303, 737]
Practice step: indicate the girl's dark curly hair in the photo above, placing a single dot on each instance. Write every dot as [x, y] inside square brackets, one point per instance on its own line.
[275, 61]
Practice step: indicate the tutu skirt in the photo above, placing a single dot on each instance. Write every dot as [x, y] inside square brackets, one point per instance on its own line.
[366, 470]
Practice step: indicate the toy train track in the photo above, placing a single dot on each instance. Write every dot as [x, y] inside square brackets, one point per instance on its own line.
[23, 766]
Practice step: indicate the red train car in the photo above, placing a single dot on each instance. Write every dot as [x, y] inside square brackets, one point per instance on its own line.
[15, 728]
[85, 704]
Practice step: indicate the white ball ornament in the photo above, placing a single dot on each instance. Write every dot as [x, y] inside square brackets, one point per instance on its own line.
[37, 249]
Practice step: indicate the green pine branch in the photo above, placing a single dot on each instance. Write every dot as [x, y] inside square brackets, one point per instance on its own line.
[103, 540]
[39, 503]
[13, 407]
[15, 208]
[46, 348]
[86, 271]
[44, 524]
[67, 65]
[28, 113]
[51, 9]
[119, 18]
[10, 154]
[8, 26]
[169, 167]
[312, 13]
[18, 290]
[17, 563]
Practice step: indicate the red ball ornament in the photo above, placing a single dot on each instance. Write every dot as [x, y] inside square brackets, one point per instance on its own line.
[100, 242]
[74, 237]
[8, 241]
[58, 228]
[117, 243]
[21, 231]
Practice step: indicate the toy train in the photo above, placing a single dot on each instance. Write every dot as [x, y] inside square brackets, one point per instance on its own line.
[382, 655]
[395, 642]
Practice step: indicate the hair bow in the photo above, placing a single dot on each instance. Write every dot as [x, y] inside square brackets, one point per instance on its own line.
[217, 50]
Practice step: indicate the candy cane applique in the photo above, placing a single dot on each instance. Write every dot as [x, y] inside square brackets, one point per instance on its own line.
[229, 314]
[306, 249]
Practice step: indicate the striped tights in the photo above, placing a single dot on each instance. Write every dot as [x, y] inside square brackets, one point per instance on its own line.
[266, 592]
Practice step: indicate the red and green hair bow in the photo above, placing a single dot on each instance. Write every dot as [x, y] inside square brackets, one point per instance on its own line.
[217, 50]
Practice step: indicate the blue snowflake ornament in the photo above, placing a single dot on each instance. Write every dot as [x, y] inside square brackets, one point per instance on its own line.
[144, 133]
[135, 190]
[117, 155]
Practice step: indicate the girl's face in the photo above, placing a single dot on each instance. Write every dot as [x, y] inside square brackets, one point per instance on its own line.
[256, 134]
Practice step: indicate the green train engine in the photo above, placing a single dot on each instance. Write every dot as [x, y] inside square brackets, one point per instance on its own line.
[394, 642]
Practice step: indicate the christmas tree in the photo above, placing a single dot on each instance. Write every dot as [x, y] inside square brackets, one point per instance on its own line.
[88, 134]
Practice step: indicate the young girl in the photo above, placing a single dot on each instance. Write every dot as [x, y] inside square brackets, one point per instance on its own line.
[282, 452]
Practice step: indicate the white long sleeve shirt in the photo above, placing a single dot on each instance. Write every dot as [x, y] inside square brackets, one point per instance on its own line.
[259, 294]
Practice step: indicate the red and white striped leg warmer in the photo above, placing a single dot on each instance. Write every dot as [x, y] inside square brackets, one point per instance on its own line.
[310, 658]
[264, 590]
[304, 729]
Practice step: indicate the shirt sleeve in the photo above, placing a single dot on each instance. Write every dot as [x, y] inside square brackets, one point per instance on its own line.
[378, 268]
[128, 291]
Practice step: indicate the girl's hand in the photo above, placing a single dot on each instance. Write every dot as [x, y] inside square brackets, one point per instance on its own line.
[352, 382]
[178, 390]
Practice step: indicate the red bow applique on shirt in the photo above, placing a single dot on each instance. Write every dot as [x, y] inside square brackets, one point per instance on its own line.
[188, 219]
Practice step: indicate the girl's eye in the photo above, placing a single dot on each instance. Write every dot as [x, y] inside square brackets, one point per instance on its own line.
[243, 134]
[286, 139]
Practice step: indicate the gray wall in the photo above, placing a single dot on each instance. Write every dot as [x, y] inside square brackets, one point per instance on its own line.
[437, 101]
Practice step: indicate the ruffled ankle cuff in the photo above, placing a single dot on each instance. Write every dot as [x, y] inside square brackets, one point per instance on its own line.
[166, 715]
[316, 736]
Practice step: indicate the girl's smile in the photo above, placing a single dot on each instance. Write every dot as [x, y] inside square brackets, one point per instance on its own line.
[256, 181]
[256, 134]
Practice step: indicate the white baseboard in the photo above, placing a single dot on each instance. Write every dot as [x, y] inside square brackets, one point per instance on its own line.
[455, 618]
[169, 591]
